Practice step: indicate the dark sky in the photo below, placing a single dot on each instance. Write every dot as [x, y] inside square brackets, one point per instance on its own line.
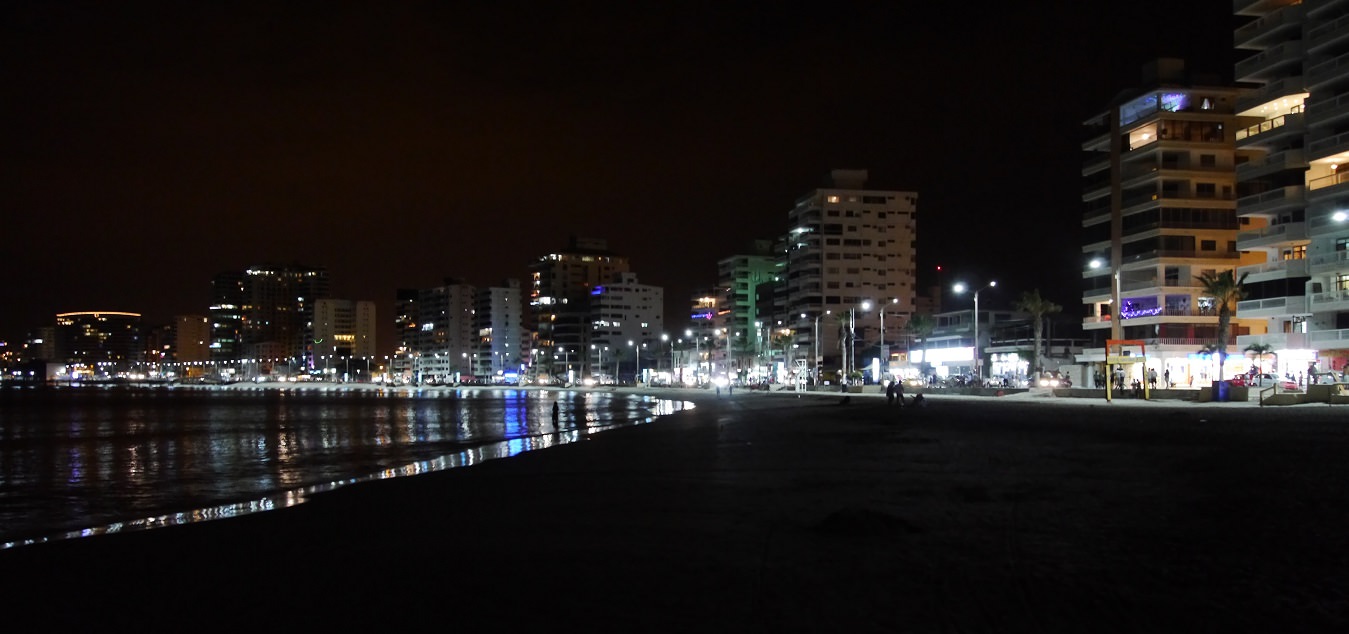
[149, 145]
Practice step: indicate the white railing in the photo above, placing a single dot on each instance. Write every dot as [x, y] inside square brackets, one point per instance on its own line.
[1327, 336]
[1251, 305]
[1333, 297]
[1297, 267]
[1330, 258]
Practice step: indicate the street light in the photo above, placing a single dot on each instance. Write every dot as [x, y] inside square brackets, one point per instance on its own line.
[601, 350]
[885, 350]
[666, 337]
[816, 370]
[978, 369]
[638, 352]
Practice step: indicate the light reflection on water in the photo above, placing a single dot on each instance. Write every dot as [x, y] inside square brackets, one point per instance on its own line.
[127, 459]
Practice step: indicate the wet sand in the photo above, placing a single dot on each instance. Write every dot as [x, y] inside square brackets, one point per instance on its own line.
[771, 513]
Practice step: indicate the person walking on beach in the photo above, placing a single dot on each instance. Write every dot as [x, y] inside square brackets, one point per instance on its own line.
[890, 393]
[899, 392]
[557, 413]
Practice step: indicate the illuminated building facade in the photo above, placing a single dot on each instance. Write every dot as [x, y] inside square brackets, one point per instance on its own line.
[847, 245]
[344, 330]
[559, 300]
[1159, 211]
[98, 343]
[437, 333]
[498, 327]
[747, 284]
[626, 319]
[1292, 189]
[265, 312]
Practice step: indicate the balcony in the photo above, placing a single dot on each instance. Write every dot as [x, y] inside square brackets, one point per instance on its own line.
[1329, 339]
[1278, 269]
[1327, 187]
[1320, 147]
[1324, 73]
[1271, 133]
[1270, 63]
[1329, 262]
[1294, 159]
[1272, 307]
[1272, 202]
[1330, 302]
[1269, 92]
[1277, 26]
[1273, 235]
[1276, 340]
[1326, 34]
[1163, 254]
[1327, 113]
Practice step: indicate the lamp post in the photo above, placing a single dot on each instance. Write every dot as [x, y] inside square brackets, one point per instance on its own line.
[1116, 328]
[978, 362]
[885, 349]
[637, 350]
[697, 355]
[666, 337]
[816, 370]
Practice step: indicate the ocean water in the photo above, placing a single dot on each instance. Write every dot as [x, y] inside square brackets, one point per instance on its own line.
[78, 461]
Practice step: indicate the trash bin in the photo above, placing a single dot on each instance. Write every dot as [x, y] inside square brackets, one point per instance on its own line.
[1222, 391]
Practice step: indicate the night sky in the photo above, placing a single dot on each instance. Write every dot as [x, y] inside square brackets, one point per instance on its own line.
[149, 145]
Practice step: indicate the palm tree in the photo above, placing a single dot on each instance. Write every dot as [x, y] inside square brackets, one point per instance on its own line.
[1226, 289]
[1260, 350]
[1038, 307]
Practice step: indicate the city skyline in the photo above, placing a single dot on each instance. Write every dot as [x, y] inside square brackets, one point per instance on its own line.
[157, 145]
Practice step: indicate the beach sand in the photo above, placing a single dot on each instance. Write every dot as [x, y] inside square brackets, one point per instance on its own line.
[772, 513]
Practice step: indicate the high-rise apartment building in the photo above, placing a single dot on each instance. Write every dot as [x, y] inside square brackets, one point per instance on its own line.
[498, 327]
[559, 299]
[436, 326]
[1293, 191]
[266, 313]
[1160, 211]
[344, 338]
[98, 343]
[625, 325]
[748, 284]
[850, 246]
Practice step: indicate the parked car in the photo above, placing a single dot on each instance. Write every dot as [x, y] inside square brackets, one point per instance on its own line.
[1264, 380]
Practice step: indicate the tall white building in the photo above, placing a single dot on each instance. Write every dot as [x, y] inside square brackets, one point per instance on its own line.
[1293, 191]
[848, 245]
[498, 330]
[626, 320]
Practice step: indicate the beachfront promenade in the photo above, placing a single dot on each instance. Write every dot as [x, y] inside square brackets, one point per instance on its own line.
[759, 512]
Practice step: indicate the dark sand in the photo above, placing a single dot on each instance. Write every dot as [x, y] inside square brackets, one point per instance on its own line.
[769, 513]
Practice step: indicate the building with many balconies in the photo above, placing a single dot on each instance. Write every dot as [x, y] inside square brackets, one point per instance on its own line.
[849, 245]
[1296, 55]
[1159, 211]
